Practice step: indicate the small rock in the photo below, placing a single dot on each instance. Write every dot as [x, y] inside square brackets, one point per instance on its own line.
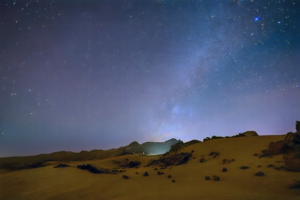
[259, 174]
[207, 178]
[224, 169]
[244, 167]
[125, 177]
[160, 173]
[169, 176]
[192, 151]
[173, 181]
[136, 173]
[146, 174]
[202, 160]
[294, 185]
[216, 178]
[270, 165]
[155, 169]
[256, 154]
[125, 163]
[259, 166]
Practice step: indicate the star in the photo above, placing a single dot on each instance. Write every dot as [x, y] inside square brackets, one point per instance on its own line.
[106, 67]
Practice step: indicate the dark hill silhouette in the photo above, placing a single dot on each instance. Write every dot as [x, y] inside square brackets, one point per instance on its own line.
[25, 162]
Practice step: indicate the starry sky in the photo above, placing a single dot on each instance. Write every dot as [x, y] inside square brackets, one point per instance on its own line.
[99, 74]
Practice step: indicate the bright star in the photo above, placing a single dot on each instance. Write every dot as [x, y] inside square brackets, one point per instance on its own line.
[256, 19]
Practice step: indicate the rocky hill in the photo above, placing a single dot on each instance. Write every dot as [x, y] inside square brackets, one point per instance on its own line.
[150, 147]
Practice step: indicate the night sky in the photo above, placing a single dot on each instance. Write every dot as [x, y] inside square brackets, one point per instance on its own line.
[99, 74]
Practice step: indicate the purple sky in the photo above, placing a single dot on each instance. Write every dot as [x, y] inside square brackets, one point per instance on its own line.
[83, 75]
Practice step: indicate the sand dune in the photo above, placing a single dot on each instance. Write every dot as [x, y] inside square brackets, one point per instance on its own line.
[72, 183]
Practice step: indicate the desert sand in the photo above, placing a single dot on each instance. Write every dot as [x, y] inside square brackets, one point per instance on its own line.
[72, 183]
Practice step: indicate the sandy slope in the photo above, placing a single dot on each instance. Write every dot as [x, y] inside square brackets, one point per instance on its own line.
[72, 183]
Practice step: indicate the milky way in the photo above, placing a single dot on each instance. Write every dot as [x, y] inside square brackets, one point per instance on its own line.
[83, 75]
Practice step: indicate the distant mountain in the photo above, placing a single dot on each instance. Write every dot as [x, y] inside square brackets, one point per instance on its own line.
[150, 147]
[66, 156]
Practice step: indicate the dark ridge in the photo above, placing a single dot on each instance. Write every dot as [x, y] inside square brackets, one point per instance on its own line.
[171, 159]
